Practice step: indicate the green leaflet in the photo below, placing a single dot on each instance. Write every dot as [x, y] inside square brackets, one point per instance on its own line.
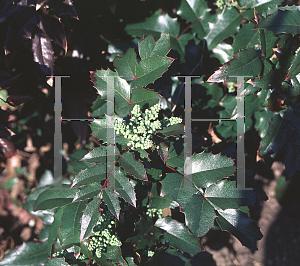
[132, 166]
[27, 254]
[56, 262]
[200, 208]
[89, 218]
[124, 188]
[281, 21]
[245, 63]
[70, 223]
[208, 168]
[241, 226]
[112, 201]
[161, 23]
[55, 197]
[153, 64]
[178, 235]
[213, 28]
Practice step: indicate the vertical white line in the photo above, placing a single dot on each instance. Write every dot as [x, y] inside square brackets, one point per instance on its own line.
[110, 132]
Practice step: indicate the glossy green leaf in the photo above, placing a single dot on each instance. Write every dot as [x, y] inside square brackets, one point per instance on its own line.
[229, 103]
[112, 201]
[54, 230]
[262, 120]
[124, 188]
[194, 12]
[174, 130]
[224, 52]
[199, 215]
[221, 26]
[149, 48]
[99, 129]
[179, 188]
[294, 70]
[89, 218]
[27, 254]
[281, 22]
[55, 197]
[227, 129]
[147, 70]
[97, 155]
[246, 38]
[90, 175]
[208, 168]
[241, 226]
[130, 261]
[245, 63]
[268, 42]
[161, 23]
[175, 158]
[200, 209]
[70, 223]
[274, 138]
[163, 151]
[122, 92]
[158, 202]
[252, 104]
[225, 195]
[56, 262]
[144, 98]
[178, 235]
[213, 28]
[88, 191]
[263, 7]
[132, 166]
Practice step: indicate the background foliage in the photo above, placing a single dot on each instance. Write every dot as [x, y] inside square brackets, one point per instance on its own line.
[160, 216]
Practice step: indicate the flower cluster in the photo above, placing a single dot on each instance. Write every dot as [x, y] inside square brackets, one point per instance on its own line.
[222, 3]
[154, 213]
[148, 253]
[102, 235]
[141, 126]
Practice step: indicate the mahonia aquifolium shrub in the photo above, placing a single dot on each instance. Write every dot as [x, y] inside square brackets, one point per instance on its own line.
[141, 126]
[222, 3]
